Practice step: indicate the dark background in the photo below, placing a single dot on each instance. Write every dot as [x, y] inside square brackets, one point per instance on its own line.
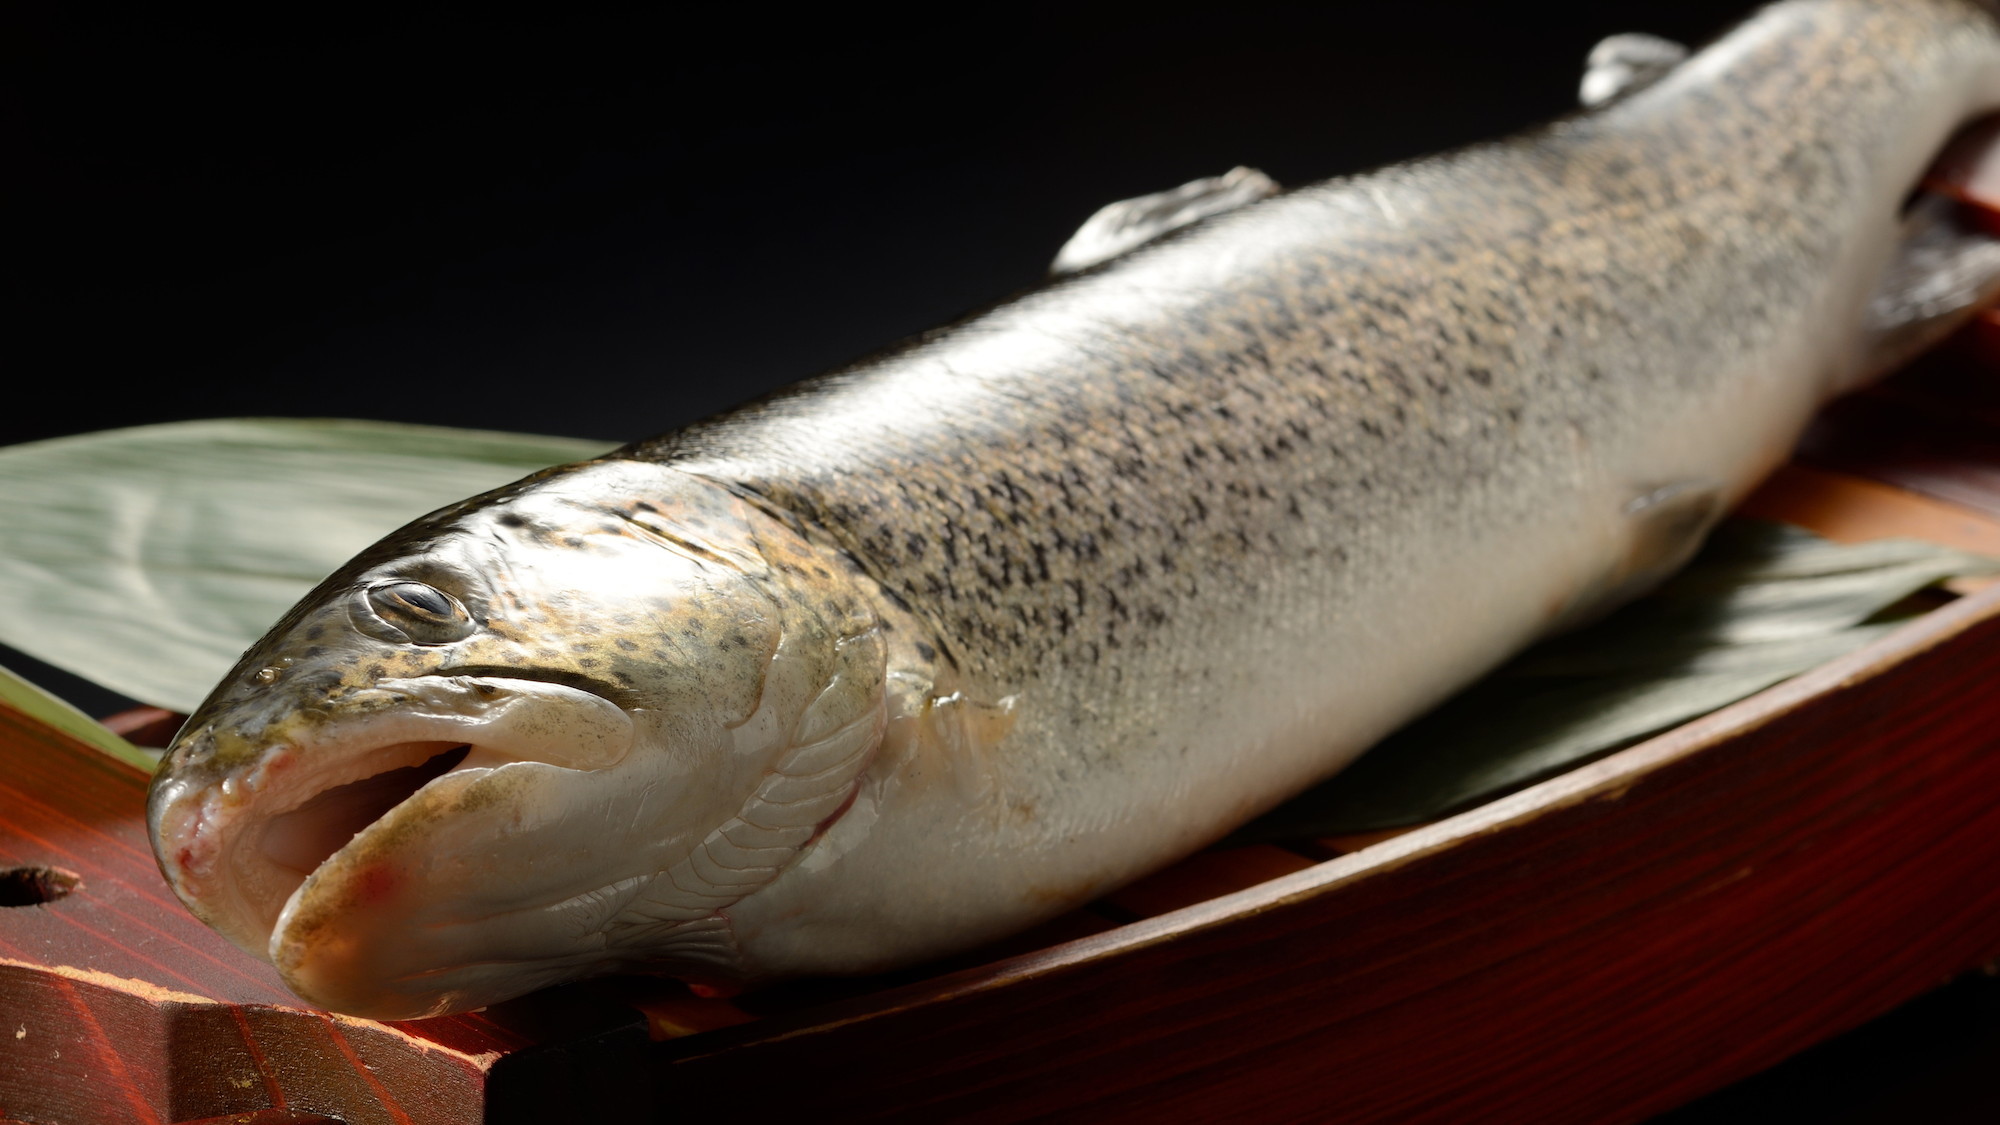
[610, 226]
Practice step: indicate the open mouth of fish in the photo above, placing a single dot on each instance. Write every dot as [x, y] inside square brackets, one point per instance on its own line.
[300, 839]
[246, 850]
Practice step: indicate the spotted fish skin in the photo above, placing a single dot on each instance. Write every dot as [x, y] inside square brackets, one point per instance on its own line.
[1226, 510]
[1102, 572]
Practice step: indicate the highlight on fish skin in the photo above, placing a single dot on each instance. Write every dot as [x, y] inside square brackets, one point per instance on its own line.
[925, 651]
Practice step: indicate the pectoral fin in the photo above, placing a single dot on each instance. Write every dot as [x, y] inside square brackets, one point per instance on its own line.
[1660, 528]
[1129, 223]
[1664, 528]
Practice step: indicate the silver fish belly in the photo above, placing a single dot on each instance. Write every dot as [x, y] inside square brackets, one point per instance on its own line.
[924, 651]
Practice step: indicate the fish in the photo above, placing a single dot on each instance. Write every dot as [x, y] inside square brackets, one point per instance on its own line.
[923, 651]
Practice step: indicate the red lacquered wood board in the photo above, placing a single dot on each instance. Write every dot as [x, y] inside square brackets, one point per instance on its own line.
[1603, 946]
[117, 1005]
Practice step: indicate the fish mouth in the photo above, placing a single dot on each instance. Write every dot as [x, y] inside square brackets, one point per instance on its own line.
[303, 838]
[242, 850]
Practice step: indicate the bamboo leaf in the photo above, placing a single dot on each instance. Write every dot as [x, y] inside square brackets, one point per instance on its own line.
[147, 559]
[32, 701]
[1762, 603]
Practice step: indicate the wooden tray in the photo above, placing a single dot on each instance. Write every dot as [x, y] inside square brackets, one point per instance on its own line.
[1603, 946]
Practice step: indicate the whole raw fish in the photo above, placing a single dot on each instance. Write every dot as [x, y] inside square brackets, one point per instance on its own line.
[929, 649]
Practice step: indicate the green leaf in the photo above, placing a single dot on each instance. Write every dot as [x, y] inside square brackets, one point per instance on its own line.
[148, 559]
[1762, 603]
[36, 703]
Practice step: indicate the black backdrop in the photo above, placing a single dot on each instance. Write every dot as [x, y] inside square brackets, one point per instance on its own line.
[610, 226]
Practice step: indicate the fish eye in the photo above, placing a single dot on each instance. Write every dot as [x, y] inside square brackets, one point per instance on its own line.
[419, 613]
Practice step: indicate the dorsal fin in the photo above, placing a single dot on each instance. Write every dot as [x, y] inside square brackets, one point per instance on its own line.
[1622, 64]
[1129, 223]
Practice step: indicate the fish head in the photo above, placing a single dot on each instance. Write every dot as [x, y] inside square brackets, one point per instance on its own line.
[550, 732]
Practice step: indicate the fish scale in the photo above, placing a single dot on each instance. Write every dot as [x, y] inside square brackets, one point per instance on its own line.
[1110, 567]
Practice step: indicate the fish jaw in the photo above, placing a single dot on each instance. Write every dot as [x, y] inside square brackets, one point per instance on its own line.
[491, 874]
[489, 883]
[501, 875]
[463, 896]
[235, 848]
